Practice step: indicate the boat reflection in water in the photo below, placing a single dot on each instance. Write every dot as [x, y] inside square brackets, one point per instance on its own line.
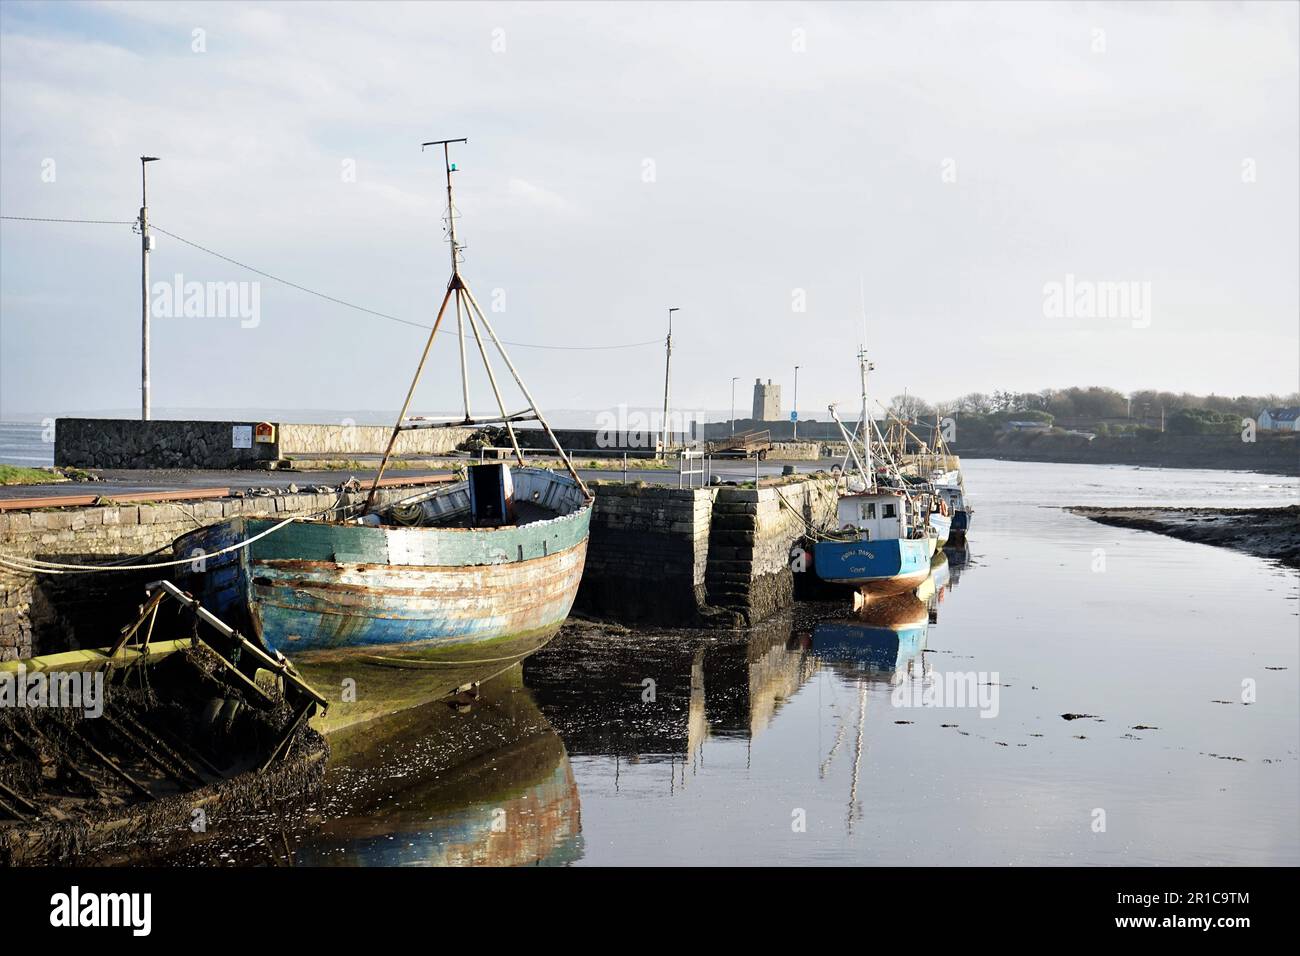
[481, 781]
[661, 700]
[886, 635]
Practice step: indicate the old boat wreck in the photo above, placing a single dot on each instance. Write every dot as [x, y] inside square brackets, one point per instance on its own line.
[478, 572]
[174, 738]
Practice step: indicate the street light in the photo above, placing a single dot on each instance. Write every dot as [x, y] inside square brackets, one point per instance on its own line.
[668, 358]
[146, 243]
[734, 380]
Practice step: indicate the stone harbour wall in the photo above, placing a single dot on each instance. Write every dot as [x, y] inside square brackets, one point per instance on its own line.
[127, 443]
[49, 613]
[647, 553]
[750, 538]
[344, 440]
[706, 557]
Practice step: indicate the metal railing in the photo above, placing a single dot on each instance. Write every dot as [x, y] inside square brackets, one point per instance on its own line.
[686, 472]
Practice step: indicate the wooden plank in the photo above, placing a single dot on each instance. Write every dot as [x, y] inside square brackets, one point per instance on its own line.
[84, 501]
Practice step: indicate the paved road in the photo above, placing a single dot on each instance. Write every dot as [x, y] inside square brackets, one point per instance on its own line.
[125, 482]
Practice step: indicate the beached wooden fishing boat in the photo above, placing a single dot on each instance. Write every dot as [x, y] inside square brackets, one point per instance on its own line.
[437, 586]
[482, 571]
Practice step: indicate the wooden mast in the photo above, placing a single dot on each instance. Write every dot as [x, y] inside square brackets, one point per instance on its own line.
[467, 308]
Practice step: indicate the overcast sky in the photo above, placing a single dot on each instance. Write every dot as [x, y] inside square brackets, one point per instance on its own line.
[951, 162]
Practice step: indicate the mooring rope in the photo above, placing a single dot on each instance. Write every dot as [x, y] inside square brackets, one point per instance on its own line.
[815, 532]
[36, 566]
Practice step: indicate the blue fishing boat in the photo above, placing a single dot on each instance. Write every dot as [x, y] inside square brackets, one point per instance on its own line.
[950, 487]
[940, 523]
[885, 539]
[877, 549]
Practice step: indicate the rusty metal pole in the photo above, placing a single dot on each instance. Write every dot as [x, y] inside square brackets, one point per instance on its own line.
[492, 380]
[478, 309]
[410, 393]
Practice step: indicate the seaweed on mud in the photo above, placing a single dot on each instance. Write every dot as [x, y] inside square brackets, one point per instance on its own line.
[184, 735]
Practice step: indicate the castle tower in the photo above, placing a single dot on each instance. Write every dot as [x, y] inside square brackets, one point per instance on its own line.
[767, 401]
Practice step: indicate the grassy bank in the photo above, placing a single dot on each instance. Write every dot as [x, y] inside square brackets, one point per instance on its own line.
[18, 475]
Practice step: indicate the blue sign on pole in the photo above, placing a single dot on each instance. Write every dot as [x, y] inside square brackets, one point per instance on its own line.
[794, 416]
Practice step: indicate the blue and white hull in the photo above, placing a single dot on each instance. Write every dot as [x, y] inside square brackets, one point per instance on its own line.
[885, 566]
[941, 524]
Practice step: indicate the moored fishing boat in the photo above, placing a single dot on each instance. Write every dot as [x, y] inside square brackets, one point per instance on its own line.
[951, 488]
[885, 540]
[478, 572]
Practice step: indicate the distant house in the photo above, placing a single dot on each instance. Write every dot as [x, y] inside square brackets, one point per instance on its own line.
[1280, 419]
[1019, 426]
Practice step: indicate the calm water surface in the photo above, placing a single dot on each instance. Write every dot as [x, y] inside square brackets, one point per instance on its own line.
[749, 733]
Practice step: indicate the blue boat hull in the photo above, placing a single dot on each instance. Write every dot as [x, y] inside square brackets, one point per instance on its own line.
[886, 566]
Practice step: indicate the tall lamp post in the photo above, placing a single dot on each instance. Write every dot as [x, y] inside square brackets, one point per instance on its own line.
[146, 244]
[734, 380]
[795, 420]
[668, 358]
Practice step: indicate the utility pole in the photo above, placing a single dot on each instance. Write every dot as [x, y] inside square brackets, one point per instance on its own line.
[795, 420]
[146, 244]
[734, 380]
[668, 358]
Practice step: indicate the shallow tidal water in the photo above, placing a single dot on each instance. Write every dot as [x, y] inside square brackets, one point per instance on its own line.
[808, 740]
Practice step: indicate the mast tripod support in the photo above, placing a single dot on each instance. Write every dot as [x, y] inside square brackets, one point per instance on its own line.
[468, 307]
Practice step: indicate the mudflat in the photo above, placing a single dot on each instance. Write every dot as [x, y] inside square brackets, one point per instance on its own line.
[1265, 532]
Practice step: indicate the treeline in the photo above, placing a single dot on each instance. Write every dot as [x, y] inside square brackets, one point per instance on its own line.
[1099, 410]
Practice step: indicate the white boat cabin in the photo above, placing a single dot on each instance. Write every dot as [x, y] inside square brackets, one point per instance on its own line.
[878, 517]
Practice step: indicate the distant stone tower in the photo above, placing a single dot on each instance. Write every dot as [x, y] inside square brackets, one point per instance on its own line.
[767, 401]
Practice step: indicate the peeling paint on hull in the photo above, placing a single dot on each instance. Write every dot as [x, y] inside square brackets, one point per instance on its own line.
[433, 593]
[301, 606]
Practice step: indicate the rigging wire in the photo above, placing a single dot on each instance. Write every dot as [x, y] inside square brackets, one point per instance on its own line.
[326, 296]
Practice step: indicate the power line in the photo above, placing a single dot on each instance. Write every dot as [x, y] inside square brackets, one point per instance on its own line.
[100, 222]
[326, 296]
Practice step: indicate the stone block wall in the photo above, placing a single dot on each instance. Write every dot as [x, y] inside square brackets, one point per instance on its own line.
[127, 443]
[45, 614]
[795, 451]
[346, 440]
[647, 554]
[712, 556]
[751, 534]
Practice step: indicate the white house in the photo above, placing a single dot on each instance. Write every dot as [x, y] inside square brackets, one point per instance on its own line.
[1280, 419]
